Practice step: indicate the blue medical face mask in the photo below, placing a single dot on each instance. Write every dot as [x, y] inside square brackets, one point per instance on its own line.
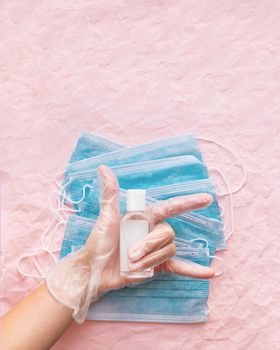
[186, 301]
[200, 305]
[90, 145]
[150, 309]
[175, 146]
[169, 298]
[78, 229]
[189, 188]
[146, 174]
[163, 148]
[162, 193]
[76, 233]
[188, 225]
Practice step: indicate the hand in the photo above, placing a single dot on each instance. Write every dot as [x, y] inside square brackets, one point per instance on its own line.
[82, 277]
[155, 250]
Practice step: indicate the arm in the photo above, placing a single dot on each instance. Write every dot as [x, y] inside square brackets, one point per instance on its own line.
[41, 318]
[37, 322]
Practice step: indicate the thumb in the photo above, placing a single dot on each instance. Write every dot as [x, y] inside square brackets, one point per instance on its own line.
[105, 232]
[109, 195]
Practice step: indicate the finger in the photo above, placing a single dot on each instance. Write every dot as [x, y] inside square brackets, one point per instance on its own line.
[162, 234]
[109, 197]
[186, 268]
[154, 258]
[177, 205]
[107, 224]
[133, 280]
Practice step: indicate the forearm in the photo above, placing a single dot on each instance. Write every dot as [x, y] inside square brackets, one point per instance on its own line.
[36, 322]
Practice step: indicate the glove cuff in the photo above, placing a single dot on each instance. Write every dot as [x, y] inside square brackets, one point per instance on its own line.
[74, 282]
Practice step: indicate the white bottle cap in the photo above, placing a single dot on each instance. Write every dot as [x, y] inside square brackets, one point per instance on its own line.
[136, 200]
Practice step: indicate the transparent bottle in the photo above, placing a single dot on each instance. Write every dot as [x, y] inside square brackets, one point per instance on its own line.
[134, 227]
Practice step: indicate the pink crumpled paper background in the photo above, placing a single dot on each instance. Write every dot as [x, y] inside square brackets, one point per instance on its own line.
[134, 71]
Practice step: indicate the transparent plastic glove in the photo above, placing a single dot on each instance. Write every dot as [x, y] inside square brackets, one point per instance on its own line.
[84, 276]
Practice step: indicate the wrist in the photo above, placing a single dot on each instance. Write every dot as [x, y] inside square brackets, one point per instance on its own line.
[72, 282]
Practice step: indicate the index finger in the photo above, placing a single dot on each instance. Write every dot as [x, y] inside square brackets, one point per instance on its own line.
[177, 205]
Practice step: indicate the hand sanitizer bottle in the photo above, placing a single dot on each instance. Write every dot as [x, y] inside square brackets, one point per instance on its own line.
[134, 227]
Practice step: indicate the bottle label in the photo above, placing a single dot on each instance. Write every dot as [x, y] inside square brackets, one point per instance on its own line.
[131, 232]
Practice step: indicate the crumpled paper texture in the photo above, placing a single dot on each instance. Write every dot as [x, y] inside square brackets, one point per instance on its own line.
[134, 71]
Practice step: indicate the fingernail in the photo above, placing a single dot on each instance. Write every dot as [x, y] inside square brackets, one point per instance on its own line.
[206, 198]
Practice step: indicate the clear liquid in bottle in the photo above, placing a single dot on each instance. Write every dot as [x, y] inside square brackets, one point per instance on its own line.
[134, 227]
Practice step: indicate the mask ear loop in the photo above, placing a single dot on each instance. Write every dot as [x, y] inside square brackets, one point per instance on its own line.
[62, 194]
[230, 201]
[38, 251]
[45, 246]
[33, 256]
[27, 274]
[218, 273]
[43, 243]
[61, 207]
[241, 165]
[199, 240]
[222, 211]
[50, 252]
[57, 181]
[55, 212]
[209, 310]
[81, 199]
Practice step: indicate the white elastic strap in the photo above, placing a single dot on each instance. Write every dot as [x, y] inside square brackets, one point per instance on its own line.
[221, 210]
[242, 166]
[57, 181]
[44, 247]
[81, 199]
[51, 252]
[199, 240]
[43, 237]
[61, 208]
[55, 211]
[27, 274]
[33, 256]
[213, 311]
[230, 201]
[38, 267]
[219, 273]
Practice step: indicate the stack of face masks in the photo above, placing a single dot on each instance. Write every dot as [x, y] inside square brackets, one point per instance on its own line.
[165, 168]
